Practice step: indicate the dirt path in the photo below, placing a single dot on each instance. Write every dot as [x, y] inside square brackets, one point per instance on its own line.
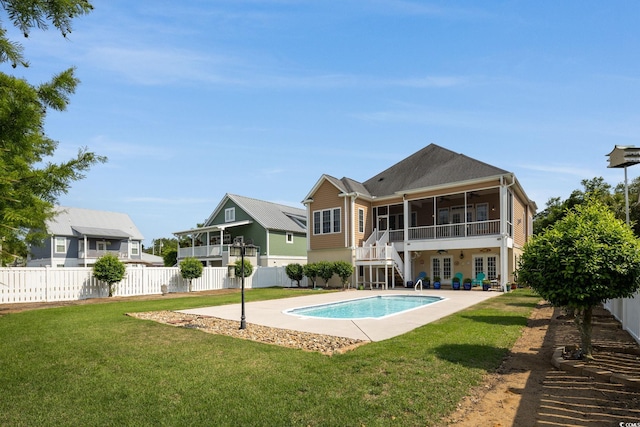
[528, 391]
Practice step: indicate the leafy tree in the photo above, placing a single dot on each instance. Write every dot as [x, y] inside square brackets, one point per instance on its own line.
[29, 184]
[162, 246]
[310, 270]
[325, 271]
[110, 270]
[190, 268]
[344, 270]
[248, 268]
[170, 258]
[584, 259]
[294, 272]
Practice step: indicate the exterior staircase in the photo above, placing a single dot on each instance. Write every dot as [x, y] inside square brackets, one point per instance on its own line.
[377, 252]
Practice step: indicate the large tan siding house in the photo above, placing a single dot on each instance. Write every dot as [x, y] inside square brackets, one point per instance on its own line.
[436, 213]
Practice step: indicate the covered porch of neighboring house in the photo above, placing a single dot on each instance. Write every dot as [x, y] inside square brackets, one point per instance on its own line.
[211, 244]
[468, 232]
[94, 243]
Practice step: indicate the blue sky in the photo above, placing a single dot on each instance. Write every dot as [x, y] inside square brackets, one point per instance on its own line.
[191, 100]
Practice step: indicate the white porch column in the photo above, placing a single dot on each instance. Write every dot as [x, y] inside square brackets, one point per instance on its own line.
[407, 259]
[504, 235]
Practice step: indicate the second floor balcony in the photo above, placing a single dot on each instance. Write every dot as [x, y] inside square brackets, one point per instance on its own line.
[447, 231]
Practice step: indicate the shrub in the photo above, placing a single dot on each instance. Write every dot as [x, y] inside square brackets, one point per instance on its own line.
[325, 271]
[311, 272]
[344, 270]
[110, 270]
[295, 272]
[170, 258]
[190, 268]
[248, 268]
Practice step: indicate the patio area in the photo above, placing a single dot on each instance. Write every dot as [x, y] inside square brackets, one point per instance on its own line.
[271, 313]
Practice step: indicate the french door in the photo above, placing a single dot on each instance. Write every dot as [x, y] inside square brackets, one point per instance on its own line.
[487, 264]
[442, 266]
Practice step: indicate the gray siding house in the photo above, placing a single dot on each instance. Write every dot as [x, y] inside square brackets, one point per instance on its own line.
[78, 237]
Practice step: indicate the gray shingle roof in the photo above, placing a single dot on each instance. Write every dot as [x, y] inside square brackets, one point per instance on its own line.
[70, 221]
[272, 216]
[431, 166]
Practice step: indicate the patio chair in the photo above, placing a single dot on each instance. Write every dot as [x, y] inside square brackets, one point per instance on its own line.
[420, 281]
[478, 280]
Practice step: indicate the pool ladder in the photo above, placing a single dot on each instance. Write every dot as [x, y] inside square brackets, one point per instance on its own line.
[418, 283]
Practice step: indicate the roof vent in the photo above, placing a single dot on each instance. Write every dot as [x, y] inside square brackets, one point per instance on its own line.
[381, 179]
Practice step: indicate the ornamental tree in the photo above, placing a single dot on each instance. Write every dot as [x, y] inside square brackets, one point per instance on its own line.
[294, 272]
[248, 268]
[582, 260]
[344, 270]
[310, 270]
[325, 271]
[190, 268]
[110, 270]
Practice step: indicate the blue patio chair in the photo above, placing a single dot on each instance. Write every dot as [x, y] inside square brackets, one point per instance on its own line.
[421, 277]
[478, 280]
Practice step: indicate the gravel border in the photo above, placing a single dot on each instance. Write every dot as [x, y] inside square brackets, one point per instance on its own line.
[325, 344]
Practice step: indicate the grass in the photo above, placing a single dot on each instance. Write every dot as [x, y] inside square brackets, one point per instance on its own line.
[90, 365]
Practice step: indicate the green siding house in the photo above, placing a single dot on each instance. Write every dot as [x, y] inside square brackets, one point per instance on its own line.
[279, 232]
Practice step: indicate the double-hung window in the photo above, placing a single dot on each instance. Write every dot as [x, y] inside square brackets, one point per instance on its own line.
[61, 245]
[327, 221]
[229, 214]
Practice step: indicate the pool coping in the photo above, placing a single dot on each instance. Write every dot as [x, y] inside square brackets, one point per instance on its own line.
[271, 313]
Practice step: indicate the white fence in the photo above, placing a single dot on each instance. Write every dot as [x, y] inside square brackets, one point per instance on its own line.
[45, 284]
[627, 311]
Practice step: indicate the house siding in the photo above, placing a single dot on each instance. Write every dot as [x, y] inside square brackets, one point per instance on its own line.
[368, 222]
[278, 244]
[327, 197]
[520, 222]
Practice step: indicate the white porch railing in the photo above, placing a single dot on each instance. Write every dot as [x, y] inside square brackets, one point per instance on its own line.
[375, 253]
[201, 251]
[480, 228]
[381, 252]
[94, 253]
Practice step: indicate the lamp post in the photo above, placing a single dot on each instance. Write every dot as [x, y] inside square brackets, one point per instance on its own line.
[239, 248]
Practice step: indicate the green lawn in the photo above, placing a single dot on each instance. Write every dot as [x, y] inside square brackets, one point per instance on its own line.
[92, 365]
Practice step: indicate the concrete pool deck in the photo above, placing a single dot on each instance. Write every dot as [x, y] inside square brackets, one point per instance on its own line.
[271, 313]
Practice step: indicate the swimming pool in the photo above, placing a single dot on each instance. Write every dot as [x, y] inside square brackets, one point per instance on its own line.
[365, 308]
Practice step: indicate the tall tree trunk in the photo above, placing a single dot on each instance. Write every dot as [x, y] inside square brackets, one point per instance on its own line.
[584, 323]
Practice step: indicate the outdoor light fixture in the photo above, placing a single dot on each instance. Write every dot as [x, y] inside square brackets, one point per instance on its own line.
[461, 255]
[624, 156]
[239, 248]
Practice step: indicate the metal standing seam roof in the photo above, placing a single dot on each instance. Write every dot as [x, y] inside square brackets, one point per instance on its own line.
[271, 216]
[69, 221]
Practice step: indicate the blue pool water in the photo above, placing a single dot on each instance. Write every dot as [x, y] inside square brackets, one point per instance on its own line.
[362, 308]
